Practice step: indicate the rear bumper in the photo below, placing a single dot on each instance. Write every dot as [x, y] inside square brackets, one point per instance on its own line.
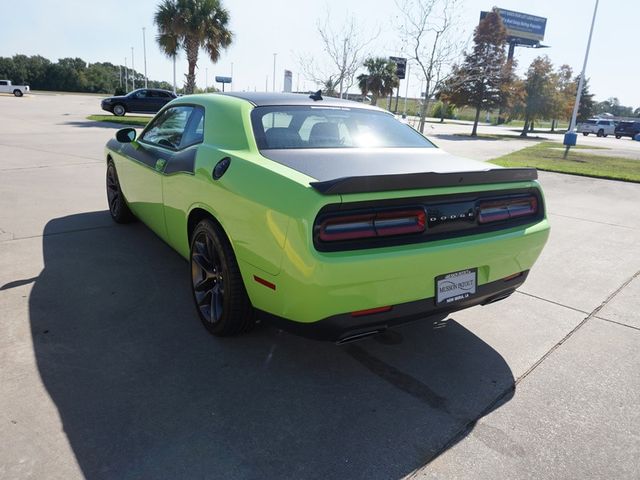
[314, 286]
[344, 327]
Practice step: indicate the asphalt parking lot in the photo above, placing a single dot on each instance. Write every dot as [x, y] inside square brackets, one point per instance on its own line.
[106, 372]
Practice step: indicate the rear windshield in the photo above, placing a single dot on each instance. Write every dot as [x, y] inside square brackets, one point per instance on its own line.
[297, 127]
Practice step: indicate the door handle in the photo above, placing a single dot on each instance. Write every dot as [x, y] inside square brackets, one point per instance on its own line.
[160, 163]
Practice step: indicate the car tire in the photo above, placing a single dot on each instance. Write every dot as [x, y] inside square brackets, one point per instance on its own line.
[618, 136]
[118, 207]
[218, 290]
[17, 93]
[586, 134]
[600, 133]
[119, 110]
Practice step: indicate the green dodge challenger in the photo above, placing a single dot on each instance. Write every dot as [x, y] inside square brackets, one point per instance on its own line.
[328, 217]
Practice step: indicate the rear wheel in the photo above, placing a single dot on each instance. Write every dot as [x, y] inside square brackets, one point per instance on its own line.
[119, 110]
[17, 93]
[586, 134]
[601, 133]
[118, 207]
[618, 136]
[218, 290]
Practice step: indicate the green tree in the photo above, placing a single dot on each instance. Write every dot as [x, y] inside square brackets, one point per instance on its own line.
[478, 81]
[380, 78]
[191, 25]
[540, 91]
[586, 108]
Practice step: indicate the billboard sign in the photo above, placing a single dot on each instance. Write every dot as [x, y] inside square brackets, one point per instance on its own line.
[401, 66]
[223, 79]
[522, 26]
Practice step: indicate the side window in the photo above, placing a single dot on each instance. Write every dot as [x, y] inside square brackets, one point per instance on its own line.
[3, 82]
[194, 133]
[168, 129]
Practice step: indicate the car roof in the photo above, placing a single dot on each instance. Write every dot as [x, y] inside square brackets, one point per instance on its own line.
[261, 99]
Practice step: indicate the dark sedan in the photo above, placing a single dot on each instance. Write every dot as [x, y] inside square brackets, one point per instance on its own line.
[143, 100]
[627, 129]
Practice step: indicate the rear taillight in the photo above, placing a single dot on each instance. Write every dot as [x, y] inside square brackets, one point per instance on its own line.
[371, 225]
[508, 208]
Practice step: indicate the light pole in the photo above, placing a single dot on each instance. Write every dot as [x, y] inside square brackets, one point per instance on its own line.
[571, 137]
[126, 76]
[206, 80]
[274, 71]
[231, 84]
[144, 52]
[133, 72]
[174, 75]
[406, 91]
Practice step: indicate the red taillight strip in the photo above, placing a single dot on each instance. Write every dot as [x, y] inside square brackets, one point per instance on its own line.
[381, 224]
[370, 311]
[497, 210]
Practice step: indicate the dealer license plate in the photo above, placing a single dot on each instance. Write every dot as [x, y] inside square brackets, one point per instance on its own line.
[456, 286]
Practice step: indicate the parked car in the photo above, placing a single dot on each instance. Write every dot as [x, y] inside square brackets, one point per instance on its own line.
[142, 100]
[599, 126]
[325, 216]
[18, 90]
[627, 129]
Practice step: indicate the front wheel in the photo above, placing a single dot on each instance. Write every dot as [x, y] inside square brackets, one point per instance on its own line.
[118, 207]
[586, 134]
[119, 110]
[600, 133]
[218, 290]
[618, 136]
[17, 93]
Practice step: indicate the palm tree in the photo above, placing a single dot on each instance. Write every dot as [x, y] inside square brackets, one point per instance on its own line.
[191, 25]
[380, 78]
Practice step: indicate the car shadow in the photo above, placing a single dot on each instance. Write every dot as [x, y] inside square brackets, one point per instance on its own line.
[144, 392]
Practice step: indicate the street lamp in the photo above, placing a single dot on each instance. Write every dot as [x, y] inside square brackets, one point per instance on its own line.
[133, 72]
[571, 137]
[144, 51]
[274, 71]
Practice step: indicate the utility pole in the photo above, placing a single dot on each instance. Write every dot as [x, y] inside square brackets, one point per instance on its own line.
[133, 72]
[120, 74]
[570, 138]
[406, 91]
[174, 75]
[274, 71]
[206, 81]
[144, 51]
[126, 76]
[231, 84]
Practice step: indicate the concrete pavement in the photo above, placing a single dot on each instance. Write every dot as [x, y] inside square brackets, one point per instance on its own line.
[105, 371]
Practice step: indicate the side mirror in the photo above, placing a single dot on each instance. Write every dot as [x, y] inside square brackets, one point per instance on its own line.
[126, 135]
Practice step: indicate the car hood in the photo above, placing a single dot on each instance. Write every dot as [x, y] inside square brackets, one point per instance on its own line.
[333, 163]
[118, 97]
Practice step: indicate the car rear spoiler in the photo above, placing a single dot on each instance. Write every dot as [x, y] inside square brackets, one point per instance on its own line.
[411, 181]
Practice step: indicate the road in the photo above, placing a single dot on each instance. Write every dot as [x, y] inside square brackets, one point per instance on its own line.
[106, 372]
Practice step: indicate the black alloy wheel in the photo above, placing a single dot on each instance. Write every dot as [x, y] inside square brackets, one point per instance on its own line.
[118, 207]
[218, 290]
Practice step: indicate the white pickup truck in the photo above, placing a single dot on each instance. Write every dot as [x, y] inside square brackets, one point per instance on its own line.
[601, 127]
[17, 90]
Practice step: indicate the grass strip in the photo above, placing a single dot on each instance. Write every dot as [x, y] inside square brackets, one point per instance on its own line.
[126, 120]
[547, 156]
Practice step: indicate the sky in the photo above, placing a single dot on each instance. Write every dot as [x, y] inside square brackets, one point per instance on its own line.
[106, 30]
